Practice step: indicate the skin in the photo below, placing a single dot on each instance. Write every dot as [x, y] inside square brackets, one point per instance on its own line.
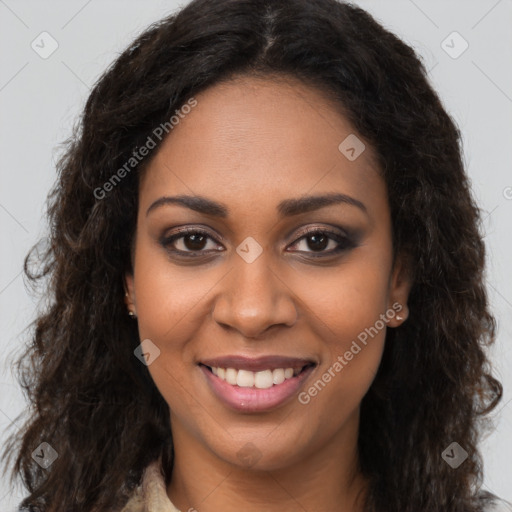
[249, 144]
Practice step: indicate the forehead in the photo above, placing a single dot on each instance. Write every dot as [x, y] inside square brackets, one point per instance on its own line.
[253, 142]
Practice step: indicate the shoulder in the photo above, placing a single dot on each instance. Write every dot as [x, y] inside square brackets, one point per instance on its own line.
[151, 494]
[136, 503]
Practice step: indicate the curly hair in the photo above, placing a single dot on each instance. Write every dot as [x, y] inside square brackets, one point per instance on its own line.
[94, 402]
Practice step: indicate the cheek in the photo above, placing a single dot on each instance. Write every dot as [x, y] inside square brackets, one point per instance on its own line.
[166, 301]
[166, 295]
[335, 393]
[353, 296]
[351, 319]
[166, 316]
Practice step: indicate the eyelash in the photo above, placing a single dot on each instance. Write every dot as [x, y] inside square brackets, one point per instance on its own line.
[344, 242]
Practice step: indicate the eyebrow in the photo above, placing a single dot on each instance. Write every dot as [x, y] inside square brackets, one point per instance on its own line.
[285, 208]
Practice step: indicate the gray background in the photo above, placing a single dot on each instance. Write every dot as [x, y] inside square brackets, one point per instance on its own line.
[41, 98]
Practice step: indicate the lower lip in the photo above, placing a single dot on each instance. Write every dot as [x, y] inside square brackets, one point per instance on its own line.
[254, 399]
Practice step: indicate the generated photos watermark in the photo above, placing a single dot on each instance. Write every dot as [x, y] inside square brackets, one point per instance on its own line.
[342, 360]
[141, 152]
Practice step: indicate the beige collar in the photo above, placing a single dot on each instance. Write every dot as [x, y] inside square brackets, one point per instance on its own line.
[151, 494]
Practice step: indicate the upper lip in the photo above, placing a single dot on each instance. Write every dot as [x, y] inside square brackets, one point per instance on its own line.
[257, 363]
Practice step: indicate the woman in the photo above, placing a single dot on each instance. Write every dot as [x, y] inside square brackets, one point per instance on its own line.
[267, 279]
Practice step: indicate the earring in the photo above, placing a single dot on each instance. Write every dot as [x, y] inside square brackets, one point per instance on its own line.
[398, 317]
[130, 312]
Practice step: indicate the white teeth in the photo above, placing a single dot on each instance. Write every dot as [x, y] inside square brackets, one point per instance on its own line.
[231, 375]
[245, 379]
[278, 376]
[261, 380]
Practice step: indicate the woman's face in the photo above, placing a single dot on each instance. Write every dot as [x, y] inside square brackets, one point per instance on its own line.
[253, 283]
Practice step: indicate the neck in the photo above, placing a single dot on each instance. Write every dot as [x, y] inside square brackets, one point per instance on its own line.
[326, 478]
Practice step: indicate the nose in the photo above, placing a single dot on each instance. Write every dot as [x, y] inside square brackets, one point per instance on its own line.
[253, 298]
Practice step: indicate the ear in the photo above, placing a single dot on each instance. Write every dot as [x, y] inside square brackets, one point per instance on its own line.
[400, 286]
[129, 297]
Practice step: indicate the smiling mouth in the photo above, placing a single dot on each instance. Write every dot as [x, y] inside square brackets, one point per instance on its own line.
[263, 379]
[252, 392]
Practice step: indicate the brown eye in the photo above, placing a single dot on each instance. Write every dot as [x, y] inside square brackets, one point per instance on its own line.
[318, 240]
[187, 242]
[194, 242]
[318, 243]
